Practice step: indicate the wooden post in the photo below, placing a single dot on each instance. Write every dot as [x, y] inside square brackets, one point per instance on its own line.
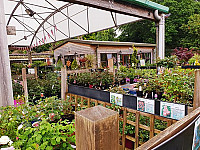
[29, 56]
[63, 83]
[97, 128]
[137, 129]
[152, 119]
[36, 75]
[25, 84]
[196, 101]
[6, 92]
[110, 65]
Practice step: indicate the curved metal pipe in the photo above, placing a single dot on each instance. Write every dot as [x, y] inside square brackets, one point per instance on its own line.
[156, 15]
[53, 13]
[14, 11]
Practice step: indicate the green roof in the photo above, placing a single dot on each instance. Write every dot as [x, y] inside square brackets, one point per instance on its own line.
[149, 4]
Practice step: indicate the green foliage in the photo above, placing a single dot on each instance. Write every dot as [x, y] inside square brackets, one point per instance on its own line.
[105, 35]
[39, 63]
[46, 136]
[183, 12]
[42, 48]
[90, 60]
[50, 85]
[59, 65]
[168, 62]
[16, 68]
[17, 88]
[17, 123]
[74, 65]
[192, 28]
[134, 57]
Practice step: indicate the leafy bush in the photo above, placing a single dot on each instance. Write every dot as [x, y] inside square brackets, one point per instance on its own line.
[74, 65]
[46, 136]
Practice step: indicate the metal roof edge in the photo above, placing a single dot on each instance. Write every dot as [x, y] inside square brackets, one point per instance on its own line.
[149, 4]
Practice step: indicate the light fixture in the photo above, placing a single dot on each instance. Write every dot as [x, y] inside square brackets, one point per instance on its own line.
[30, 12]
[120, 52]
[75, 53]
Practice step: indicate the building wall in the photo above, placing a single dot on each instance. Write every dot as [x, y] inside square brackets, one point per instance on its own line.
[71, 47]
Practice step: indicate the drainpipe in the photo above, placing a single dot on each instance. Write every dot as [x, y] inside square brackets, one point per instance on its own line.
[160, 34]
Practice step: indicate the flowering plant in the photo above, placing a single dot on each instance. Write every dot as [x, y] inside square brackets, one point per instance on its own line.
[5, 142]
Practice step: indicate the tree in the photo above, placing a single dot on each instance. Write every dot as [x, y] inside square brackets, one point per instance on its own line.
[105, 35]
[192, 28]
[144, 31]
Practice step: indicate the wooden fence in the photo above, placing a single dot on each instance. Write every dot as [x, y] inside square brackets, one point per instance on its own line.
[127, 117]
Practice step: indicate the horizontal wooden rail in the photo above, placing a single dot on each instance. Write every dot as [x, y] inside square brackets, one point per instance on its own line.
[170, 131]
[82, 102]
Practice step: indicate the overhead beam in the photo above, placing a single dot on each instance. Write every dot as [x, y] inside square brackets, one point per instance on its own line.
[117, 7]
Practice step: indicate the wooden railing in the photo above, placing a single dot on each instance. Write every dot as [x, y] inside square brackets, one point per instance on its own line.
[171, 131]
[127, 117]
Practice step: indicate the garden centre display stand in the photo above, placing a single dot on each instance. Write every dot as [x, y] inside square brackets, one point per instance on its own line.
[97, 128]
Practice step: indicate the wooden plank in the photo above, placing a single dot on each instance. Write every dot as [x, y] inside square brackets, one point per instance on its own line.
[144, 127]
[117, 7]
[170, 131]
[124, 126]
[36, 73]
[130, 138]
[152, 119]
[25, 84]
[196, 101]
[131, 122]
[63, 83]
[137, 129]
[88, 100]
[97, 128]
[96, 103]
[76, 102]
[81, 101]
[169, 122]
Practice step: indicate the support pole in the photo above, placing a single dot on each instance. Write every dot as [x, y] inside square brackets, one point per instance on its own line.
[63, 82]
[6, 92]
[196, 101]
[29, 56]
[97, 128]
[36, 74]
[161, 40]
[25, 84]
[160, 34]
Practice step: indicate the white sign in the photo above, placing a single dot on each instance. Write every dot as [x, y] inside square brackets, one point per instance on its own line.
[142, 62]
[146, 105]
[196, 137]
[116, 99]
[171, 110]
[31, 71]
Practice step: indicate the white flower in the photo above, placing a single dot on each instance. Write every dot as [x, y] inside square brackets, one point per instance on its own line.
[20, 126]
[4, 140]
[8, 148]
[0, 116]
[10, 142]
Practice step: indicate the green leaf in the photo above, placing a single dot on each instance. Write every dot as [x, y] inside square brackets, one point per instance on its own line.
[38, 138]
[49, 147]
[58, 139]
[53, 141]
[64, 144]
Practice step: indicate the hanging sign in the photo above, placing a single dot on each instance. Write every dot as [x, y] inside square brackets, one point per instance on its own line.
[146, 105]
[196, 137]
[116, 99]
[171, 110]
[31, 71]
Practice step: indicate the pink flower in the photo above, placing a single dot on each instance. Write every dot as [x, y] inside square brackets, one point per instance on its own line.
[35, 124]
[51, 116]
[17, 138]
